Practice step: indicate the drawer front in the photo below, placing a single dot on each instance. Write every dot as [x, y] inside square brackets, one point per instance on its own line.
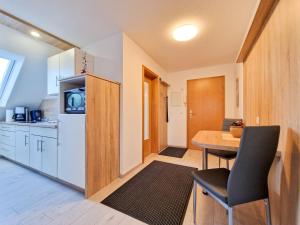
[44, 132]
[22, 128]
[7, 127]
[7, 138]
[8, 151]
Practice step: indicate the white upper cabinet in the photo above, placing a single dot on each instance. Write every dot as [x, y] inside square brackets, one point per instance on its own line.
[53, 75]
[67, 64]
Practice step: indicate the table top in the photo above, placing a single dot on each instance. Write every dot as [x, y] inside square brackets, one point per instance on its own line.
[216, 140]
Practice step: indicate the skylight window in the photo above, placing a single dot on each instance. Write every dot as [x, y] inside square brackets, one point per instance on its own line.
[6, 66]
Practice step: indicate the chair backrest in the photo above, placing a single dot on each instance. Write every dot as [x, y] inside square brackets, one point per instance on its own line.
[227, 123]
[248, 179]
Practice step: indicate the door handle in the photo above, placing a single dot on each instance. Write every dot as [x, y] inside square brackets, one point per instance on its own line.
[191, 114]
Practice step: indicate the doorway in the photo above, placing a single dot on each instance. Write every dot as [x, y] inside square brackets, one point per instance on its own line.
[205, 106]
[150, 108]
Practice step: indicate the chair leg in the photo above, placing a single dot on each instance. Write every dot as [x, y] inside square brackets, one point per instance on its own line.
[219, 162]
[230, 216]
[268, 211]
[227, 164]
[195, 203]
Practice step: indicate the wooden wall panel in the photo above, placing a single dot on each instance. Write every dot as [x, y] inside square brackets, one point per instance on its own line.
[272, 92]
[102, 137]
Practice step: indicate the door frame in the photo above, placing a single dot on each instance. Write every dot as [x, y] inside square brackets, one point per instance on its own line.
[146, 72]
[187, 102]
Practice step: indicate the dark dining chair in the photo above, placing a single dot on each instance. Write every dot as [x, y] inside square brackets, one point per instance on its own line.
[248, 179]
[224, 154]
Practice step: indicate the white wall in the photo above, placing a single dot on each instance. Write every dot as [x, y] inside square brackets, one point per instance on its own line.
[177, 126]
[108, 56]
[31, 84]
[131, 115]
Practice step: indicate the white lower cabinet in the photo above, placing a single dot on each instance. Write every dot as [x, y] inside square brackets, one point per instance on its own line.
[35, 152]
[43, 150]
[49, 155]
[8, 141]
[71, 150]
[22, 147]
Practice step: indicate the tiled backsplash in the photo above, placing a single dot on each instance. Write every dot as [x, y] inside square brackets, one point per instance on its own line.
[50, 108]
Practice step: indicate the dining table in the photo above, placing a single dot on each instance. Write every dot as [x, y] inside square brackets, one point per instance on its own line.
[221, 140]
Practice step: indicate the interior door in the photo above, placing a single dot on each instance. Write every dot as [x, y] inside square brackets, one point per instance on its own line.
[205, 106]
[147, 117]
[163, 123]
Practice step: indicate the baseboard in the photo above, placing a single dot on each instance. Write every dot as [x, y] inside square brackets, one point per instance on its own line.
[128, 172]
[177, 146]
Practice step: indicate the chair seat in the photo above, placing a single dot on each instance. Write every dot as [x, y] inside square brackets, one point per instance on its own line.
[222, 153]
[214, 181]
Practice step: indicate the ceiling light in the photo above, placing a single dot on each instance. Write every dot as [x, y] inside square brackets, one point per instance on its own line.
[185, 33]
[35, 34]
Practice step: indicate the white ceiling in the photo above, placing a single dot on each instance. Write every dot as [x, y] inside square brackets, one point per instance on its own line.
[223, 25]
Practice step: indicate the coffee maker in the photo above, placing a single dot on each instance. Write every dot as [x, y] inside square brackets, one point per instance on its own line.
[21, 114]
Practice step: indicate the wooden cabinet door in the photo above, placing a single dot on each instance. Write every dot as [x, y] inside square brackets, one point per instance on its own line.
[35, 159]
[53, 75]
[22, 147]
[49, 155]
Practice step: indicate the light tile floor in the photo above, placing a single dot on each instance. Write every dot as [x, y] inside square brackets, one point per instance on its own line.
[27, 198]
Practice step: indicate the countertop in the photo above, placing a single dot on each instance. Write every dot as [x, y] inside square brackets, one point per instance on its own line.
[52, 124]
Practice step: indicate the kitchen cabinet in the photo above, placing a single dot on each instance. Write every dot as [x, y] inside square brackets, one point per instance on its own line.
[8, 141]
[66, 64]
[53, 75]
[43, 150]
[35, 152]
[22, 147]
[49, 156]
[71, 149]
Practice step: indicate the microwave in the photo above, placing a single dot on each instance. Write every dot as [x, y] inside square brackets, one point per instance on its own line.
[75, 101]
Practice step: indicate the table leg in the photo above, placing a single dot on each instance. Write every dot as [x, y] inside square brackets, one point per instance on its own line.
[204, 164]
[204, 159]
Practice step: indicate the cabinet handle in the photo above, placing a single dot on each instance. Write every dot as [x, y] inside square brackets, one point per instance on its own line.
[56, 81]
[37, 145]
[42, 146]
[25, 141]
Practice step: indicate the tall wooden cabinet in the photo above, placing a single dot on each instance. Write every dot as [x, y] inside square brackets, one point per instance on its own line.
[102, 133]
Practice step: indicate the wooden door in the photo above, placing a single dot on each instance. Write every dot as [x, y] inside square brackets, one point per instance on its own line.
[205, 106]
[147, 116]
[163, 117]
